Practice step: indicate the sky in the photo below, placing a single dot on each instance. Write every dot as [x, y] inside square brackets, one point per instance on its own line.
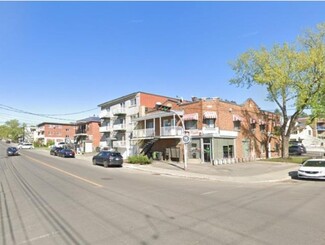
[60, 60]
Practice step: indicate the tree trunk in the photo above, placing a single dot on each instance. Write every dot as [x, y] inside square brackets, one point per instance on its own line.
[285, 146]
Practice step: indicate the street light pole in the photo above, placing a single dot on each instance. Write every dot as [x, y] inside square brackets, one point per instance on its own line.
[184, 139]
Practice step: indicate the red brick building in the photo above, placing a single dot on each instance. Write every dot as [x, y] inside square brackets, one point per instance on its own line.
[56, 132]
[87, 135]
[220, 131]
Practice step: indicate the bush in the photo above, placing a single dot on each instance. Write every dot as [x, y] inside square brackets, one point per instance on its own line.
[139, 159]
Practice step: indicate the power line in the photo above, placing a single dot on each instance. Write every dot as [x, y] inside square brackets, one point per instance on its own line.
[51, 116]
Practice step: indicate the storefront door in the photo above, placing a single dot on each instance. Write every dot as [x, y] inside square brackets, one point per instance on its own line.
[207, 150]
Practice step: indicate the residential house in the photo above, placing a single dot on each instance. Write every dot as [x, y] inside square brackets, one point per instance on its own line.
[87, 136]
[54, 132]
[220, 131]
[117, 117]
[311, 134]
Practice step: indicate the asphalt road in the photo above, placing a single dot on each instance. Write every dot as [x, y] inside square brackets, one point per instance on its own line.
[50, 200]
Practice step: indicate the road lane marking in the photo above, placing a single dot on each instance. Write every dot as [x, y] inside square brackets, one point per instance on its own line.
[40, 237]
[65, 172]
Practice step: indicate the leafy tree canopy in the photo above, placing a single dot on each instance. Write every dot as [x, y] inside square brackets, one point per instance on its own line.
[293, 74]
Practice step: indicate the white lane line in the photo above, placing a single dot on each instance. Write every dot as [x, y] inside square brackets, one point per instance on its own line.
[65, 172]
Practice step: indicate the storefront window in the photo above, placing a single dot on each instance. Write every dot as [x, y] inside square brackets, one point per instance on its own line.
[194, 149]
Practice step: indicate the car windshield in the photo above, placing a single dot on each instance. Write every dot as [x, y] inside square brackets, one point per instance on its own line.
[315, 163]
[115, 154]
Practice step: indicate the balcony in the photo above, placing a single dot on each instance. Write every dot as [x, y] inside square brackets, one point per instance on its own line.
[119, 144]
[81, 131]
[119, 111]
[171, 131]
[320, 128]
[104, 129]
[144, 133]
[40, 129]
[121, 126]
[105, 114]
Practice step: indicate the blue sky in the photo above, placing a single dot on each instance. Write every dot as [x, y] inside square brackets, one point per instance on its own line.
[67, 57]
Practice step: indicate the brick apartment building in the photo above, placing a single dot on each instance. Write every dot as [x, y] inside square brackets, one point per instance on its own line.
[117, 118]
[220, 131]
[56, 132]
[87, 136]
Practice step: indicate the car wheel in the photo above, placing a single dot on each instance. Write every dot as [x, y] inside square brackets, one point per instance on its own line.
[105, 164]
[94, 162]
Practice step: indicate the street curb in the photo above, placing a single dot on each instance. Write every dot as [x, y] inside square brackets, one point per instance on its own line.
[203, 177]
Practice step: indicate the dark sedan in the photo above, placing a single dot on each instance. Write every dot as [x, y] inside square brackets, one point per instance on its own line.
[66, 153]
[295, 150]
[12, 151]
[108, 158]
[54, 150]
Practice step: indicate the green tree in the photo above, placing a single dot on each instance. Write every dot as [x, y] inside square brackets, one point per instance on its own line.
[12, 130]
[293, 75]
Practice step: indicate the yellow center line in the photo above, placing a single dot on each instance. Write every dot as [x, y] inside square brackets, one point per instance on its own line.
[65, 172]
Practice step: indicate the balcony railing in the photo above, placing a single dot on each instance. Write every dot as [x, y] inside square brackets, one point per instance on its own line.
[171, 131]
[81, 131]
[121, 143]
[103, 129]
[119, 111]
[321, 128]
[143, 133]
[121, 126]
[105, 114]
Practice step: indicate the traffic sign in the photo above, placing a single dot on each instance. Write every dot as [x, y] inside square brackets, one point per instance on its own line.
[186, 139]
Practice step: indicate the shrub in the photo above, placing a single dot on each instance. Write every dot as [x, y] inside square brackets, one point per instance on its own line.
[139, 159]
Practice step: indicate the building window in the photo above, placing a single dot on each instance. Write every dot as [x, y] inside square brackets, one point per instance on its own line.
[237, 125]
[228, 151]
[191, 124]
[262, 127]
[133, 102]
[209, 122]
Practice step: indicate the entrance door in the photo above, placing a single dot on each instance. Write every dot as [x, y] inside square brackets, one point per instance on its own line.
[246, 148]
[207, 150]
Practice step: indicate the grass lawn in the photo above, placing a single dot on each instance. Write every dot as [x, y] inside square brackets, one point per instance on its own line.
[292, 159]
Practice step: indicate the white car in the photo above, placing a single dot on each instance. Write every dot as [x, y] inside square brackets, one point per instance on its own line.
[25, 146]
[312, 169]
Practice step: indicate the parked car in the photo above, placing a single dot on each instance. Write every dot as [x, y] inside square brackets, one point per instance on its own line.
[312, 169]
[108, 158]
[54, 150]
[295, 150]
[12, 151]
[66, 153]
[25, 146]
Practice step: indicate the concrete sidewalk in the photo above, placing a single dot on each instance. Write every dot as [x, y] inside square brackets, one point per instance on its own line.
[249, 172]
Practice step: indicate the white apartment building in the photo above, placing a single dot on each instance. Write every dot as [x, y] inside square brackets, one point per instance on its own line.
[117, 120]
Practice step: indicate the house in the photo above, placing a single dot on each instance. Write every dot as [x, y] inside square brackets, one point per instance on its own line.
[87, 136]
[54, 132]
[117, 118]
[312, 135]
[220, 131]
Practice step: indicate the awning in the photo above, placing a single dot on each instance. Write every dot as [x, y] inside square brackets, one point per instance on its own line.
[261, 122]
[193, 116]
[236, 118]
[252, 120]
[209, 114]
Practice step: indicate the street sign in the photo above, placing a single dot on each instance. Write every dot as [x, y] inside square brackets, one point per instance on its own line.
[186, 139]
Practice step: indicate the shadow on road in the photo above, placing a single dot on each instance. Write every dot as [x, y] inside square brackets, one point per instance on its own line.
[293, 174]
